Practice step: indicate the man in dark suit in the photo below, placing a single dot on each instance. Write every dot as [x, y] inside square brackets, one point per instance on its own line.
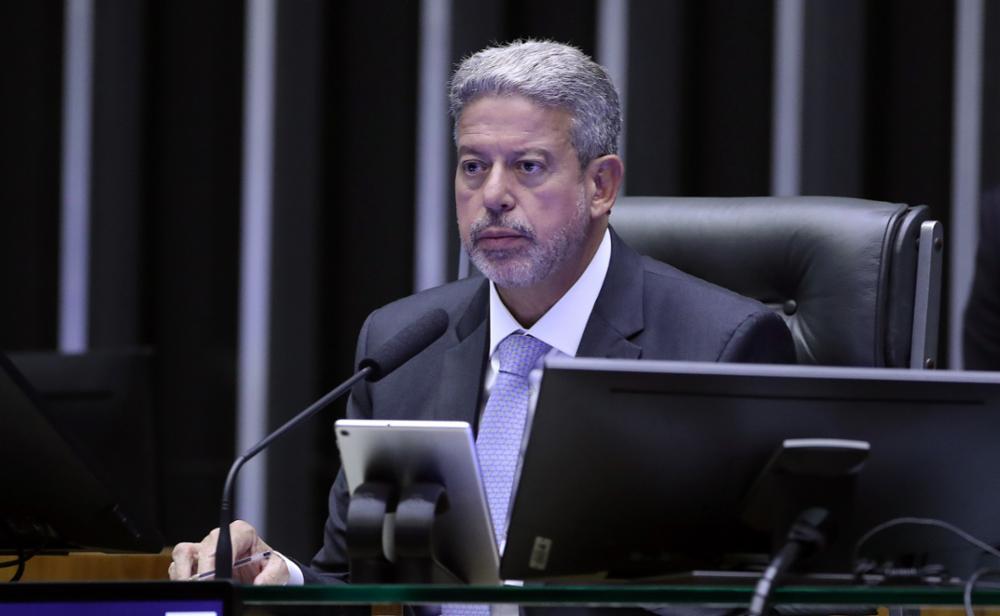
[981, 340]
[536, 128]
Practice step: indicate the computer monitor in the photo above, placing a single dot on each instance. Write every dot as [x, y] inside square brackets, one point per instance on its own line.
[55, 495]
[101, 402]
[641, 468]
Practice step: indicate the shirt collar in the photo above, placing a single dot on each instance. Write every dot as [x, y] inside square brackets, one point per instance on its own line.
[562, 326]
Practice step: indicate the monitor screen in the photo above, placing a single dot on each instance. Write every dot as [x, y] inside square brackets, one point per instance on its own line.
[118, 599]
[640, 468]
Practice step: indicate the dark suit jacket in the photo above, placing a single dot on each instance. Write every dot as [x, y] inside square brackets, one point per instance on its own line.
[981, 340]
[646, 309]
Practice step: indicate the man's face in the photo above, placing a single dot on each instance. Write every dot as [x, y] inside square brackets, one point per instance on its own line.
[519, 191]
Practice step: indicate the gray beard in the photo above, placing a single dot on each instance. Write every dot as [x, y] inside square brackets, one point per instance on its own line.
[528, 266]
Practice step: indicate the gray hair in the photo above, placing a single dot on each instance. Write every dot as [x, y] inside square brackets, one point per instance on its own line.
[550, 74]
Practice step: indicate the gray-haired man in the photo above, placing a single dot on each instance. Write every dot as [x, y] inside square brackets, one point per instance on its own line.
[536, 128]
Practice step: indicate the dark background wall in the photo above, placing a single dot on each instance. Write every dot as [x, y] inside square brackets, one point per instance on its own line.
[30, 95]
[166, 179]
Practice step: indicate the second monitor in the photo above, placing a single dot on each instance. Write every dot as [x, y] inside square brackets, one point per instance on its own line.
[640, 468]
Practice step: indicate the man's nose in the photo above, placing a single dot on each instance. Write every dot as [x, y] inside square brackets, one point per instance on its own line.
[496, 190]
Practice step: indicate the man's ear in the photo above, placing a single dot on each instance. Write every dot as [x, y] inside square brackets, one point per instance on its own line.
[604, 178]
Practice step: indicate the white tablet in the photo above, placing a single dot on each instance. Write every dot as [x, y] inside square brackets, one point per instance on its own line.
[407, 452]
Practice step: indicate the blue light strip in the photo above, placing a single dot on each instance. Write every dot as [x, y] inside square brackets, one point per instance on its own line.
[965, 170]
[74, 261]
[612, 54]
[255, 261]
[433, 143]
[786, 122]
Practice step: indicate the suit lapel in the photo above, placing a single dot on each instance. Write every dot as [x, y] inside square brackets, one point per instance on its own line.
[464, 363]
[615, 321]
[618, 314]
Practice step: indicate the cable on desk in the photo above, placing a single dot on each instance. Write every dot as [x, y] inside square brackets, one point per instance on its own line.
[970, 584]
[982, 545]
[807, 534]
[22, 558]
[23, 555]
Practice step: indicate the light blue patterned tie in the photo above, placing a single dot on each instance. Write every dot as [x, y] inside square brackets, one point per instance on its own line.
[499, 440]
[502, 425]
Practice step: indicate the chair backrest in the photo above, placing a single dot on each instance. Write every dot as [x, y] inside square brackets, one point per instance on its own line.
[857, 282]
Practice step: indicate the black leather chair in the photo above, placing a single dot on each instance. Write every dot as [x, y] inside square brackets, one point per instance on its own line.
[857, 282]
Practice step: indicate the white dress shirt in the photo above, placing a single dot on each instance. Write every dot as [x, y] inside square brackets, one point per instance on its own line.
[561, 328]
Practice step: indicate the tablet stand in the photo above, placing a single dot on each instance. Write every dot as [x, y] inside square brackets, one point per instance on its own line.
[399, 548]
[366, 520]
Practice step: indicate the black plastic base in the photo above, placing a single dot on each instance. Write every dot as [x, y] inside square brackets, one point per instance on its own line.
[390, 534]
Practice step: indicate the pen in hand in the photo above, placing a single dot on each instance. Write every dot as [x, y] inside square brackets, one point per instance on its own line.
[243, 562]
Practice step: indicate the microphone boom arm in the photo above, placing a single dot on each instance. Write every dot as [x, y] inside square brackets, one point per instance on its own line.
[393, 353]
[224, 547]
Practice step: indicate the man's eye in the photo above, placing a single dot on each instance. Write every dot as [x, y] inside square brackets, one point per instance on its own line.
[530, 166]
[472, 167]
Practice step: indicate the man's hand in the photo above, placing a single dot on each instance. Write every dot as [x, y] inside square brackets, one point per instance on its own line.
[192, 559]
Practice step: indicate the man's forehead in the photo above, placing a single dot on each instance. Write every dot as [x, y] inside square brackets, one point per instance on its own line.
[511, 118]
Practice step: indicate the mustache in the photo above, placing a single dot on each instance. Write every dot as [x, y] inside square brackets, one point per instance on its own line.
[493, 220]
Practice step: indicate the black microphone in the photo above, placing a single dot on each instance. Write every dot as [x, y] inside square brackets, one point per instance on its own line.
[400, 348]
[395, 352]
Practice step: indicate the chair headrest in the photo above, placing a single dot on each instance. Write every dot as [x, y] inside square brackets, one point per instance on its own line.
[840, 271]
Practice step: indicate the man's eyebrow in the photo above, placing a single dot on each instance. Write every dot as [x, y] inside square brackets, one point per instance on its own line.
[544, 153]
[536, 151]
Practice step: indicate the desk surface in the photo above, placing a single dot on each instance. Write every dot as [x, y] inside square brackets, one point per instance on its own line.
[92, 567]
[387, 599]
[734, 595]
